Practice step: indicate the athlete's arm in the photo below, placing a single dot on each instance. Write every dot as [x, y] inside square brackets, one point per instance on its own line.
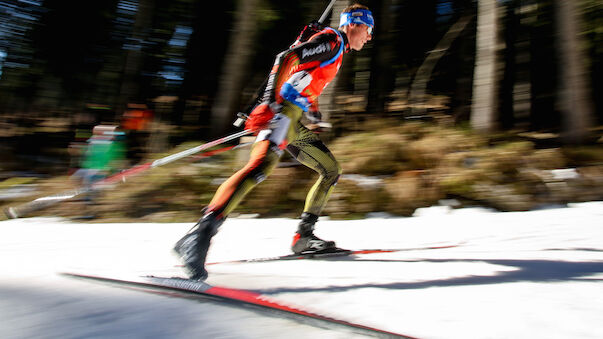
[319, 48]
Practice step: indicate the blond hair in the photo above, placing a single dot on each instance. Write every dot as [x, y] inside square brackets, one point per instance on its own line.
[354, 7]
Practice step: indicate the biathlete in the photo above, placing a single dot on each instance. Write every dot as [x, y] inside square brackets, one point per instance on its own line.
[296, 80]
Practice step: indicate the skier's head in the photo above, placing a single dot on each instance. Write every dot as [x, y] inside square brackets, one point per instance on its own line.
[357, 23]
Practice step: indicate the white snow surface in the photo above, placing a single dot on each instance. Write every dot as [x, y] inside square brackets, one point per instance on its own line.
[536, 274]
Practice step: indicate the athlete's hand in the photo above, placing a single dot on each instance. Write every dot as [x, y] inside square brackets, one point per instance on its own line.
[314, 116]
[259, 118]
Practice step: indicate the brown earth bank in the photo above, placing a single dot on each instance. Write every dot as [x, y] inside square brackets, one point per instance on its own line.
[388, 167]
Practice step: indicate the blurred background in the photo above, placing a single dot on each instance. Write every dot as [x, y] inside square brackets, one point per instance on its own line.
[459, 102]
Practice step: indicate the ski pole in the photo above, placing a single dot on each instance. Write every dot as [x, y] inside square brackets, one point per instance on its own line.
[218, 151]
[43, 202]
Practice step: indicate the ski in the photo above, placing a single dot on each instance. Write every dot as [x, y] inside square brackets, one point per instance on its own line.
[338, 252]
[195, 289]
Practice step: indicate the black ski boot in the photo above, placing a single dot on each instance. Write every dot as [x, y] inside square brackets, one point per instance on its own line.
[193, 247]
[305, 242]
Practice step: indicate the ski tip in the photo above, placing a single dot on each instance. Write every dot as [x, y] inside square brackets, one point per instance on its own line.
[323, 254]
[11, 213]
[76, 275]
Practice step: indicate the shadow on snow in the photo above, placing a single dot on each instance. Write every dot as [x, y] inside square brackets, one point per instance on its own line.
[536, 271]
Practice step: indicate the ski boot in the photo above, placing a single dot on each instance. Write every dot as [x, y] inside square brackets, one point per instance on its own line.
[193, 247]
[305, 242]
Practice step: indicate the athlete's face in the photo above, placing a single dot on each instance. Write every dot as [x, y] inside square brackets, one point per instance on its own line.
[358, 35]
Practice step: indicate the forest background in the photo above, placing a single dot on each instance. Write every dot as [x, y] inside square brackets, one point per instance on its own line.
[459, 102]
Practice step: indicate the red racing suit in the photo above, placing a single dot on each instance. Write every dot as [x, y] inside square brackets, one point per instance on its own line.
[297, 78]
[301, 73]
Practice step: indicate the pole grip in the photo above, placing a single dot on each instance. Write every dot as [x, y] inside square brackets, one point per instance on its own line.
[241, 117]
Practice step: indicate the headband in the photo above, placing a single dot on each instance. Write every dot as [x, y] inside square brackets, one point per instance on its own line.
[358, 16]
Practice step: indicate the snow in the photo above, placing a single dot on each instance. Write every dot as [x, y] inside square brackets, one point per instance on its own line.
[536, 274]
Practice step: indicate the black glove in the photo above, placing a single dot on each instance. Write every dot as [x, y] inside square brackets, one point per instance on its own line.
[308, 31]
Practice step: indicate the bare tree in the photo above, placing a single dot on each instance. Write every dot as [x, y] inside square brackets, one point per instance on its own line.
[573, 98]
[236, 60]
[483, 111]
[419, 84]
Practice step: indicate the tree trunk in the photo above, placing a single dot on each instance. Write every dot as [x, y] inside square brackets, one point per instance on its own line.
[238, 55]
[516, 93]
[382, 54]
[573, 98]
[483, 112]
[130, 90]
